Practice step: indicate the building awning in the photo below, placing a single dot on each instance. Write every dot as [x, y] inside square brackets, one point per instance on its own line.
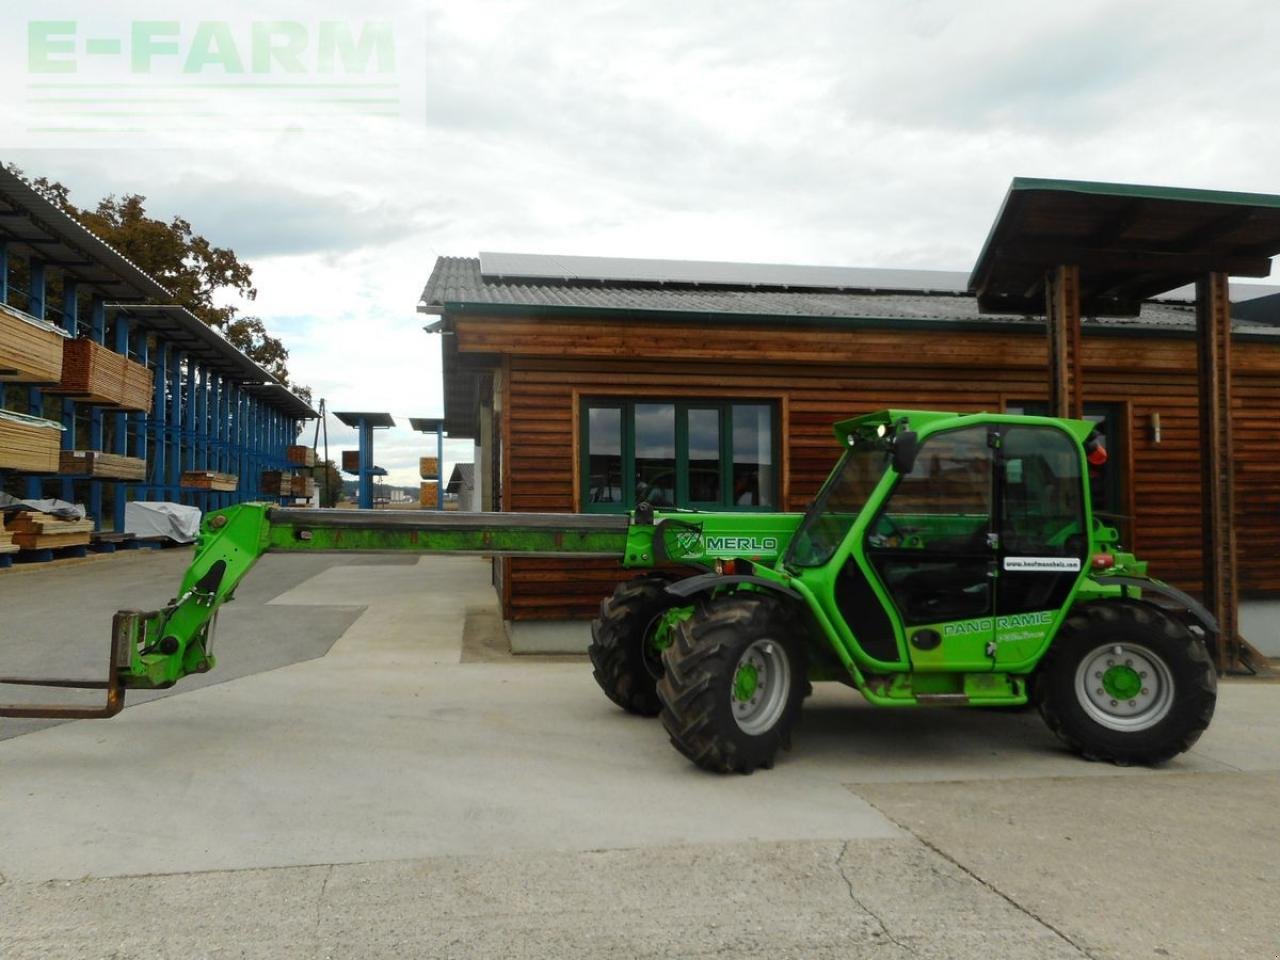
[1131, 242]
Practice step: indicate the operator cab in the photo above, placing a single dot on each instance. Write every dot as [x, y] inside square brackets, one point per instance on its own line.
[935, 528]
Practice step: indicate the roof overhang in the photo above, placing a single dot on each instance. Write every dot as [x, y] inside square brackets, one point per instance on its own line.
[1131, 242]
[354, 418]
[281, 397]
[35, 226]
[191, 335]
[426, 424]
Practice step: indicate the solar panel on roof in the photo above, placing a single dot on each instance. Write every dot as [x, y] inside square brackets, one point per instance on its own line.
[715, 272]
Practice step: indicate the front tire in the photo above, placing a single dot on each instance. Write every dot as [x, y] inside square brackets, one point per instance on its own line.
[624, 665]
[1125, 683]
[733, 685]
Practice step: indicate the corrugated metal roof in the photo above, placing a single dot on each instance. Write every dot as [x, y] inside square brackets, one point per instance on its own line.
[181, 328]
[458, 283]
[187, 332]
[278, 395]
[34, 225]
[530, 266]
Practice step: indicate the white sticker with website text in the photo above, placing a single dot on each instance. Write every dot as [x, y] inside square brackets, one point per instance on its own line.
[1042, 564]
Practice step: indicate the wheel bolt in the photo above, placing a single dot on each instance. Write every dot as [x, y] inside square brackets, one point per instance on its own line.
[1144, 691]
[1128, 663]
[1098, 675]
[1142, 674]
[1133, 703]
[1114, 703]
[1100, 691]
[1111, 663]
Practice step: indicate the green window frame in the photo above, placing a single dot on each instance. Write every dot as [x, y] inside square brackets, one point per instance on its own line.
[727, 413]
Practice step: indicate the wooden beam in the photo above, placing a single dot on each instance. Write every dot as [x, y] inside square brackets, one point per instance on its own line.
[1040, 253]
[1115, 226]
[1208, 232]
[1217, 471]
[1062, 321]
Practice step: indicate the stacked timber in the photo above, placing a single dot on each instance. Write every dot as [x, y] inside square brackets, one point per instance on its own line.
[30, 349]
[428, 468]
[7, 545]
[277, 483]
[105, 466]
[302, 456]
[28, 443]
[94, 374]
[41, 531]
[429, 494]
[302, 485]
[209, 480]
[350, 461]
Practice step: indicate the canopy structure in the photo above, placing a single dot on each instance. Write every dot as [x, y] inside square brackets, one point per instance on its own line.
[1130, 242]
[356, 418]
[365, 422]
[1069, 248]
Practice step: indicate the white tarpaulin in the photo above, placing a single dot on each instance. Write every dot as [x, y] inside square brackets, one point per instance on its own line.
[58, 508]
[161, 519]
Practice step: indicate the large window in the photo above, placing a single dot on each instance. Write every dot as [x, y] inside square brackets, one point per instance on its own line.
[1108, 484]
[705, 454]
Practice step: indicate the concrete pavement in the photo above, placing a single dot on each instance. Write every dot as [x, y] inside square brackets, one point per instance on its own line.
[389, 799]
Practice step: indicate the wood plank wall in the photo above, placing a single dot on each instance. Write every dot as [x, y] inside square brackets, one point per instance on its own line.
[819, 376]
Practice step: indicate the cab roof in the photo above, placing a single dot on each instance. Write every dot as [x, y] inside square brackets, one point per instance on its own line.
[929, 420]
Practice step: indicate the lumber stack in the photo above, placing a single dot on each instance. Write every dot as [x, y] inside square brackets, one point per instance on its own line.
[429, 494]
[302, 456]
[209, 480]
[428, 468]
[94, 374]
[28, 443]
[30, 349]
[40, 531]
[106, 466]
[277, 483]
[302, 485]
[350, 461]
[6, 540]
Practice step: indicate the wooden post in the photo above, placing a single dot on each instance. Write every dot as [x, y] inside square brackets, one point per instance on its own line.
[1062, 320]
[1217, 472]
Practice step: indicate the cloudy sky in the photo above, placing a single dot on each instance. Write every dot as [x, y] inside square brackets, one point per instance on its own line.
[851, 133]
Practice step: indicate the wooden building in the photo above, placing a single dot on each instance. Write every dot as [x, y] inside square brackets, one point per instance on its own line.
[590, 383]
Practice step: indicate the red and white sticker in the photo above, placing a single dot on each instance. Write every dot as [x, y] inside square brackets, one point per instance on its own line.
[1042, 564]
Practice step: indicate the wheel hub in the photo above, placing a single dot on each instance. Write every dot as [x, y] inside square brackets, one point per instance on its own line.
[1122, 682]
[746, 682]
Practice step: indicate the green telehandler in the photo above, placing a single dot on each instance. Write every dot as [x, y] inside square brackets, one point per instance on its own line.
[949, 559]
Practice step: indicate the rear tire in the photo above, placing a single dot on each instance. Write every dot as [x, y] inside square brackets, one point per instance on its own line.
[619, 649]
[1125, 683]
[734, 683]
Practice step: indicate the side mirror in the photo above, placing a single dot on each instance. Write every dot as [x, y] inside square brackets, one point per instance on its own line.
[905, 447]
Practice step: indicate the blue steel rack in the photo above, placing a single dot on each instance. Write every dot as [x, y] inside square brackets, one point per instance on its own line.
[213, 408]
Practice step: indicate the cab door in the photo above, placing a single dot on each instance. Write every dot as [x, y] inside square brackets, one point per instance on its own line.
[1044, 540]
[933, 548]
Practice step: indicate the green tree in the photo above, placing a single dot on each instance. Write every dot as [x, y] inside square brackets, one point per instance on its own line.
[195, 271]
